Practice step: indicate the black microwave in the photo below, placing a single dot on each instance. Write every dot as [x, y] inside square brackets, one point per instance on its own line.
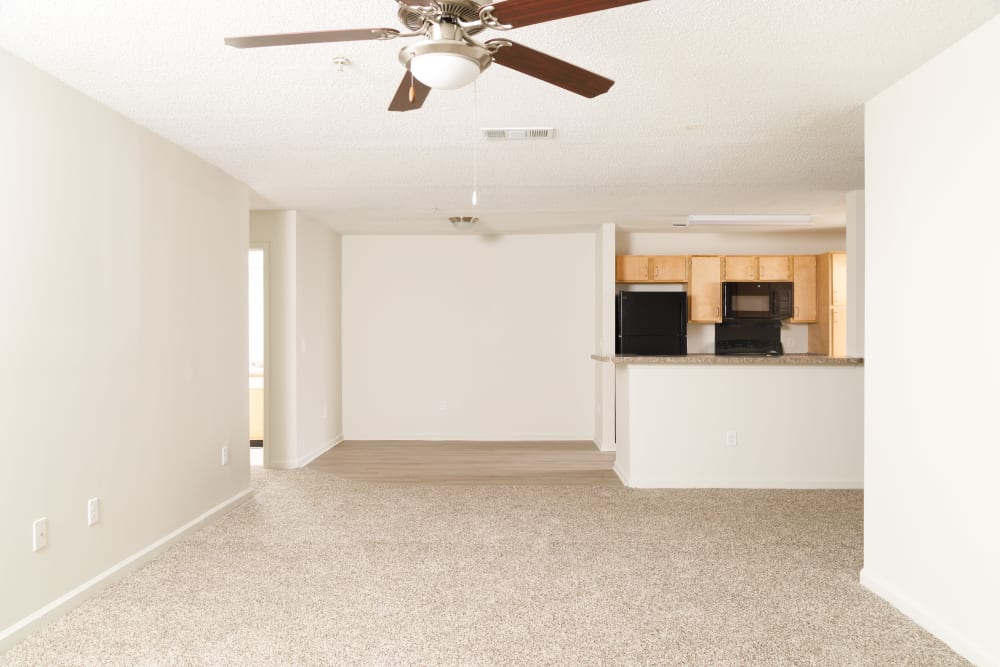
[757, 301]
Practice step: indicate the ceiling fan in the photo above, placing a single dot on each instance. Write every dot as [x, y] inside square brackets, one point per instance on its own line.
[448, 58]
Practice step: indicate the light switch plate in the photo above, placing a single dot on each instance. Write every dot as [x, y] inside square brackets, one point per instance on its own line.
[40, 534]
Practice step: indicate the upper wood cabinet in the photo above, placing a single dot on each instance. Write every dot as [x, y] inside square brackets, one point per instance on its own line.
[669, 268]
[651, 268]
[775, 268]
[804, 288]
[705, 289]
[744, 268]
[739, 268]
[631, 268]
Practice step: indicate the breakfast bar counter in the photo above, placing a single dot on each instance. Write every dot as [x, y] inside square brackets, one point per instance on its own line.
[707, 421]
[730, 360]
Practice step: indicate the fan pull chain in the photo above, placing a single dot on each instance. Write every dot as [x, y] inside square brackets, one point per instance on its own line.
[413, 91]
[475, 144]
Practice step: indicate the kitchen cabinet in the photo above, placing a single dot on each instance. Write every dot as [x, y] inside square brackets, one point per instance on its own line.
[651, 268]
[631, 268]
[669, 268]
[838, 273]
[744, 268]
[740, 268]
[804, 288]
[828, 335]
[705, 289]
[774, 268]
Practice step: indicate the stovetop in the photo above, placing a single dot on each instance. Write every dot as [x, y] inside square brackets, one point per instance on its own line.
[747, 349]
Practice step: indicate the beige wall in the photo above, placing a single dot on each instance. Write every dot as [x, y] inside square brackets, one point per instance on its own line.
[124, 339]
[796, 426]
[317, 315]
[302, 350]
[931, 459]
[469, 337]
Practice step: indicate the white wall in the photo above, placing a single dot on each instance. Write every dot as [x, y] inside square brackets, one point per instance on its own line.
[302, 372]
[856, 273]
[796, 426]
[932, 506]
[274, 231]
[317, 289]
[124, 338]
[604, 374]
[469, 337]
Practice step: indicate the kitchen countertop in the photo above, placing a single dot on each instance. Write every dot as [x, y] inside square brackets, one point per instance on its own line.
[721, 360]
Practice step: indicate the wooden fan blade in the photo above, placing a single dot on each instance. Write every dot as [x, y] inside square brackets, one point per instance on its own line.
[401, 100]
[286, 39]
[517, 13]
[551, 70]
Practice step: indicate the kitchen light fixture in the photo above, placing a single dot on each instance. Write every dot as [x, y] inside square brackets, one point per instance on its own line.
[751, 219]
[464, 221]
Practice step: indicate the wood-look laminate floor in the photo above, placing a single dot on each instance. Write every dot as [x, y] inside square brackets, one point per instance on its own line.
[463, 462]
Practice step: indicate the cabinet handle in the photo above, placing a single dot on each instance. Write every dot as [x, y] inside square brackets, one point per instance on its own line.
[656, 272]
[796, 311]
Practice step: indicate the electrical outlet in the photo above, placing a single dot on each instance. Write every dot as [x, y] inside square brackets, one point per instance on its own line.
[731, 439]
[225, 456]
[443, 405]
[40, 534]
[93, 511]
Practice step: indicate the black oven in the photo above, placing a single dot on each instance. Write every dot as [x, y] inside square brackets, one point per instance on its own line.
[757, 301]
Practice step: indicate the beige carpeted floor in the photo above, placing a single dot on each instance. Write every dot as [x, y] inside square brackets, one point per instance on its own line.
[315, 570]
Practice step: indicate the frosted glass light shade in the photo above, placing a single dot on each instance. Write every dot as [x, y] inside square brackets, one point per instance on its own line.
[446, 71]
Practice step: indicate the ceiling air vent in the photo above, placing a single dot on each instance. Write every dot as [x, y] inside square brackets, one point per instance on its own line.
[515, 133]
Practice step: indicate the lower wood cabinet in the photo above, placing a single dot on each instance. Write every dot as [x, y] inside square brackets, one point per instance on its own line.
[705, 289]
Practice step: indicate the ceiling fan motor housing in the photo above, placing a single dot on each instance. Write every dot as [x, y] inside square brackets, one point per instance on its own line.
[465, 11]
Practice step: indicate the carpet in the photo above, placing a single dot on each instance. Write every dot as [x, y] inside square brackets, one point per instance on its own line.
[316, 570]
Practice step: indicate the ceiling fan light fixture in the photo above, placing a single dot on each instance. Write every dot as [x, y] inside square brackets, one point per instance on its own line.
[445, 64]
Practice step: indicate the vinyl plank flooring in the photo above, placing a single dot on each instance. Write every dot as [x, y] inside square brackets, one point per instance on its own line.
[463, 462]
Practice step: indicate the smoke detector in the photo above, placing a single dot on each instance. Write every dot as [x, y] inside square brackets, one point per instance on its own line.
[463, 221]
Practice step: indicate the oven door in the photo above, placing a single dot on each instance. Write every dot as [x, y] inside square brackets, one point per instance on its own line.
[746, 300]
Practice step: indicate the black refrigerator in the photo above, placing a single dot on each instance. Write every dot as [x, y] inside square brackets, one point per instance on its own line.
[653, 323]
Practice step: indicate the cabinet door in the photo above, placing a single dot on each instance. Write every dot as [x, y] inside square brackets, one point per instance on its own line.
[740, 269]
[669, 268]
[804, 288]
[775, 268]
[838, 264]
[838, 331]
[631, 268]
[705, 289]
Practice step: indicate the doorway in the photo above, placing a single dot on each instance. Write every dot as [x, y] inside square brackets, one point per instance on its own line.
[255, 264]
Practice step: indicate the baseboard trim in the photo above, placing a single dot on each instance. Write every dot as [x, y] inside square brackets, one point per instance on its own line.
[477, 437]
[319, 451]
[58, 607]
[799, 484]
[957, 640]
[621, 473]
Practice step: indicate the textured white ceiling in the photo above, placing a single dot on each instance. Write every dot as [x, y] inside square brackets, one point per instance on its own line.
[749, 106]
